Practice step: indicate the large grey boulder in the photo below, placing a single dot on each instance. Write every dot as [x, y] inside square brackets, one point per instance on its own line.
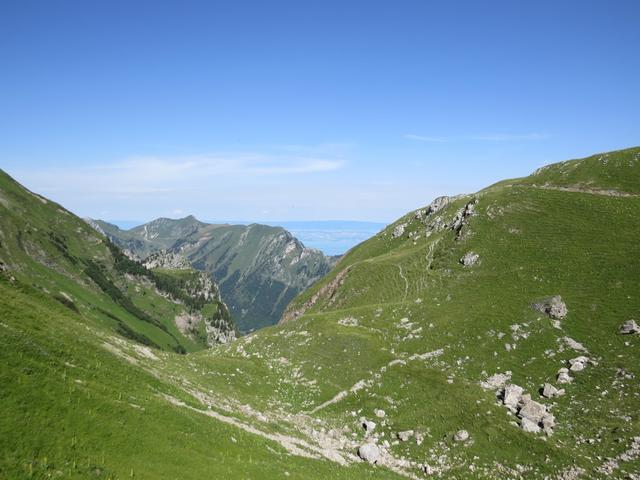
[578, 364]
[629, 327]
[511, 396]
[461, 436]
[554, 307]
[563, 376]
[369, 452]
[532, 410]
[549, 391]
[469, 259]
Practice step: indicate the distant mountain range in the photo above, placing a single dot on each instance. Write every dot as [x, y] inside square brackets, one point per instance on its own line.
[259, 268]
[332, 237]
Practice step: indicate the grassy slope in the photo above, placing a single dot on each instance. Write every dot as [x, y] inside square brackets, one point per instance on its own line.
[533, 242]
[46, 246]
[72, 409]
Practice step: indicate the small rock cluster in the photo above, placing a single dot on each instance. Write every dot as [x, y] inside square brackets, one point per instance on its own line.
[575, 365]
[534, 416]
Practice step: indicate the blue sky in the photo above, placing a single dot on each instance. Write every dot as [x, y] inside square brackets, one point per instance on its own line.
[268, 111]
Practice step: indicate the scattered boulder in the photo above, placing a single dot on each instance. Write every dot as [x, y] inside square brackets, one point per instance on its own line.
[511, 396]
[578, 364]
[549, 391]
[469, 259]
[379, 413]
[532, 410]
[461, 436]
[405, 435]
[554, 307]
[629, 327]
[369, 452]
[571, 343]
[563, 376]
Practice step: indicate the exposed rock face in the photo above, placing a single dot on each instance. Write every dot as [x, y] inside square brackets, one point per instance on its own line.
[398, 231]
[165, 259]
[369, 452]
[461, 436]
[460, 219]
[406, 435]
[629, 327]
[469, 259]
[554, 307]
[438, 204]
[511, 396]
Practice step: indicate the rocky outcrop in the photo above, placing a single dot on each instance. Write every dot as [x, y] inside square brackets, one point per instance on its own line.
[398, 231]
[438, 204]
[327, 292]
[165, 259]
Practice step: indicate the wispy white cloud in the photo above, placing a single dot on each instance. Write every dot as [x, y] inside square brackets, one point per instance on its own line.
[153, 176]
[494, 137]
[422, 138]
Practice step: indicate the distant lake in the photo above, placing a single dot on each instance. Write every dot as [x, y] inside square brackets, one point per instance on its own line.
[332, 237]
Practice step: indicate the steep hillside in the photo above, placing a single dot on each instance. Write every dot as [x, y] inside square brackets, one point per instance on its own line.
[477, 337]
[47, 247]
[260, 269]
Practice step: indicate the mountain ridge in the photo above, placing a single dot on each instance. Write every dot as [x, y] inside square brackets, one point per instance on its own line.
[259, 268]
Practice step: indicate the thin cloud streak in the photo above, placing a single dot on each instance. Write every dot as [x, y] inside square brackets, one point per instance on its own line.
[496, 137]
[144, 176]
